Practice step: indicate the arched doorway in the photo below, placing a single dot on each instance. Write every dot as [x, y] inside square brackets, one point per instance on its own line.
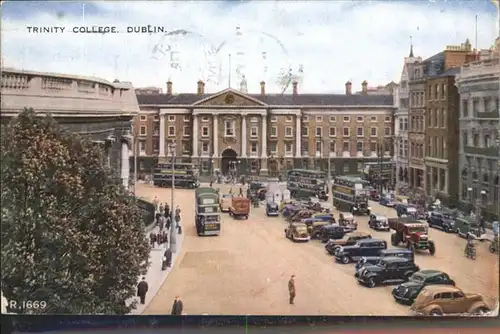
[229, 160]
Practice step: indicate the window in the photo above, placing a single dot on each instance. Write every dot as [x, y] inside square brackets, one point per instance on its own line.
[360, 132]
[204, 131]
[289, 118]
[274, 119]
[171, 118]
[346, 168]
[305, 132]
[156, 145]
[319, 148]
[457, 295]
[142, 130]
[400, 124]
[387, 131]
[346, 132]
[443, 118]
[273, 147]
[288, 131]
[359, 146]
[254, 120]
[156, 130]
[319, 118]
[465, 108]
[254, 131]
[373, 132]
[305, 148]
[373, 147]
[171, 130]
[387, 119]
[187, 131]
[144, 117]
[288, 148]
[142, 146]
[360, 119]
[274, 131]
[253, 147]
[204, 119]
[406, 124]
[333, 119]
[229, 128]
[333, 147]
[187, 118]
[205, 147]
[333, 132]
[156, 118]
[347, 119]
[436, 119]
[142, 166]
[345, 146]
[319, 131]
[373, 118]
[429, 118]
[305, 118]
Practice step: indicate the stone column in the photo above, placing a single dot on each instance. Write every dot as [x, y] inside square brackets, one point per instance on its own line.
[243, 135]
[195, 136]
[125, 157]
[263, 162]
[298, 138]
[215, 138]
[162, 135]
[438, 186]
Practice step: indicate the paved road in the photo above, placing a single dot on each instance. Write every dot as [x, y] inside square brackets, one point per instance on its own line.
[245, 270]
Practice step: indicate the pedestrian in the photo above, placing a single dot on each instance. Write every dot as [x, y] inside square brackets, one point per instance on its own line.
[157, 216]
[495, 228]
[177, 210]
[168, 222]
[152, 239]
[177, 307]
[291, 288]
[142, 289]
[178, 223]
[167, 210]
[161, 224]
[168, 257]
[156, 203]
[162, 209]
[241, 192]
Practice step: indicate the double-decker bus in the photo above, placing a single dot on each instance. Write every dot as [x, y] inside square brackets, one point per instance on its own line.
[349, 194]
[378, 171]
[186, 175]
[305, 183]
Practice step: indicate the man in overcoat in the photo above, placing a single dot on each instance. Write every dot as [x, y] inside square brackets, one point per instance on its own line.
[142, 289]
[291, 288]
[177, 307]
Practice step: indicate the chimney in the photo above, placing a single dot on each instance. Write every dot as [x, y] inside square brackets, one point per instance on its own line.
[348, 88]
[364, 88]
[201, 88]
[169, 87]
[262, 88]
[295, 85]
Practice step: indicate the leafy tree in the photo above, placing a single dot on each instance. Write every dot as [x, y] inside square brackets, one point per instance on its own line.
[71, 234]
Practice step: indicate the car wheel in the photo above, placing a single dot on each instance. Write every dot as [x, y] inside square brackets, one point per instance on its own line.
[345, 259]
[435, 313]
[446, 229]
[480, 310]
[371, 282]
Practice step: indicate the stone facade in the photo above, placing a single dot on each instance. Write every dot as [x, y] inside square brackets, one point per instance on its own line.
[89, 106]
[263, 131]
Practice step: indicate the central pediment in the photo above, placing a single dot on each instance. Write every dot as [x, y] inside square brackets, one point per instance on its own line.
[230, 97]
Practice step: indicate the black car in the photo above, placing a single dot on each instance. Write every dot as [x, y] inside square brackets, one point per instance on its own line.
[442, 220]
[378, 222]
[332, 231]
[389, 269]
[393, 252]
[365, 247]
[407, 292]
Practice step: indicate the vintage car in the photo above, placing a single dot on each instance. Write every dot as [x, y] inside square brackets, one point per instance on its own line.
[297, 217]
[387, 200]
[442, 220]
[393, 252]
[407, 292]
[332, 246]
[436, 300]
[272, 209]
[388, 270]
[315, 228]
[378, 222]
[261, 194]
[373, 194]
[225, 202]
[297, 232]
[324, 217]
[465, 225]
[289, 209]
[406, 210]
[331, 231]
[346, 220]
[364, 247]
[322, 195]
[240, 207]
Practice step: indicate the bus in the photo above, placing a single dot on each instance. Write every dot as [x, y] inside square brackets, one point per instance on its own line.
[306, 183]
[373, 170]
[349, 195]
[186, 175]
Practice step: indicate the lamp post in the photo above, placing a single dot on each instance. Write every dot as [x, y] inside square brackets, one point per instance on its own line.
[136, 152]
[380, 157]
[327, 142]
[173, 232]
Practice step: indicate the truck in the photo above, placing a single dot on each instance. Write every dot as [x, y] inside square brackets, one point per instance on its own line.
[412, 233]
[207, 214]
[240, 207]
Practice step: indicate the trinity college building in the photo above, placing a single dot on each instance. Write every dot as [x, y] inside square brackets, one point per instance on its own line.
[262, 133]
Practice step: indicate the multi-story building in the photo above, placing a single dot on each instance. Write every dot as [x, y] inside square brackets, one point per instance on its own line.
[401, 142]
[479, 87]
[258, 132]
[92, 107]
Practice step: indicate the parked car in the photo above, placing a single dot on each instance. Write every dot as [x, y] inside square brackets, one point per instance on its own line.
[366, 247]
[272, 209]
[436, 300]
[332, 246]
[315, 228]
[466, 225]
[297, 232]
[328, 217]
[225, 202]
[373, 194]
[387, 200]
[393, 252]
[406, 210]
[407, 292]
[346, 220]
[442, 220]
[378, 222]
[333, 231]
[322, 195]
[389, 269]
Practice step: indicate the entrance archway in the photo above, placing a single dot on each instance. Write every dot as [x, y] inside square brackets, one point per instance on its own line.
[229, 160]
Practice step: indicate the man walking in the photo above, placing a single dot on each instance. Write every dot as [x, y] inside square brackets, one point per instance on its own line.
[142, 289]
[177, 307]
[291, 288]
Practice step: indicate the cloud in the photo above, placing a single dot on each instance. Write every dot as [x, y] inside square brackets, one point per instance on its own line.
[334, 41]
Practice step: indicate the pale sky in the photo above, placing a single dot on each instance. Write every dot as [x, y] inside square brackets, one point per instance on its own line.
[334, 41]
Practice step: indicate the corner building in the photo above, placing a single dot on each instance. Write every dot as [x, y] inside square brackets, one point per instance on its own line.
[261, 133]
